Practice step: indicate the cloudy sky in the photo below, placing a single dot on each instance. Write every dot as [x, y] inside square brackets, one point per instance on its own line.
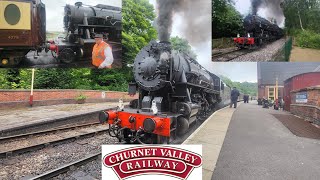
[55, 10]
[243, 6]
[236, 71]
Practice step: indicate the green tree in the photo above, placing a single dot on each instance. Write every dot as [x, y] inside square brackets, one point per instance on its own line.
[138, 30]
[226, 20]
[12, 77]
[302, 21]
[245, 87]
[53, 79]
[182, 45]
[302, 14]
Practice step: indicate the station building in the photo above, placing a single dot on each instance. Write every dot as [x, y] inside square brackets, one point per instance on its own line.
[271, 77]
[302, 96]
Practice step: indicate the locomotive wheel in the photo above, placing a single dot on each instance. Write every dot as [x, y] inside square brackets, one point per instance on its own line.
[182, 126]
[67, 56]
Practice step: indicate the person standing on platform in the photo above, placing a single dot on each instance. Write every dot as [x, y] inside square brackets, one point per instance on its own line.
[102, 56]
[234, 97]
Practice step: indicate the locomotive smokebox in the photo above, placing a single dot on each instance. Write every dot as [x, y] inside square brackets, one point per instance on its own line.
[152, 65]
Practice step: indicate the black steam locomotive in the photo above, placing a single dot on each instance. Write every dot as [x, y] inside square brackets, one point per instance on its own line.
[174, 92]
[259, 31]
[81, 24]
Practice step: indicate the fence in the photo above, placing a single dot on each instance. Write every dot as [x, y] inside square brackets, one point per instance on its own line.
[285, 52]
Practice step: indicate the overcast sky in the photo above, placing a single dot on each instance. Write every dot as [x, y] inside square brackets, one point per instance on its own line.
[236, 71]
[243, 6]
[55, 10]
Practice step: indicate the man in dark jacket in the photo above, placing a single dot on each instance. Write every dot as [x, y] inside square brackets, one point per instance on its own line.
[234, 97]
[246, 98]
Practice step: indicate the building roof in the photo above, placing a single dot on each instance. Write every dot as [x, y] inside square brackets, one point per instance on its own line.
[299, 75]
[269, 71]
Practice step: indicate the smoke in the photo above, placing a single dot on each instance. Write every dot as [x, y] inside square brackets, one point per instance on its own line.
[195, 17]
[166, 10]
[255, 4]
[271, 8]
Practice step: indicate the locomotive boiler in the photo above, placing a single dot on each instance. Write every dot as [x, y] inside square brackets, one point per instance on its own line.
[174, 92]
[81, 23]
[22, 28]
[258, 32]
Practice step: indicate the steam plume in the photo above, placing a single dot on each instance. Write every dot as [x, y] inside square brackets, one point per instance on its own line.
[272, 9]
[195, 16]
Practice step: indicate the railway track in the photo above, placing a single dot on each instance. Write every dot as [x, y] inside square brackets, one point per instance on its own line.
[97, 157]
[65, 170]
[19, 144]
[67, 167]
[229, 56]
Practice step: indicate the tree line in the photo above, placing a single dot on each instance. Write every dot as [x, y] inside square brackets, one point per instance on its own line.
[244, 87]
[226, 20]
[303, 21]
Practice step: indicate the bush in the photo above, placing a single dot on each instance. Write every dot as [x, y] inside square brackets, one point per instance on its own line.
[308, 39]
[81, 97]
[222, 43]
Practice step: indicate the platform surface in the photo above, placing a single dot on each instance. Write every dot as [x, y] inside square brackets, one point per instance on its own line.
[259, 146]
[211, 136]
[11, 118]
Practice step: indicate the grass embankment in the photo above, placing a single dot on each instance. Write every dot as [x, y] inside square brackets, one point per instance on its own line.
[222, 43]
[306, 39]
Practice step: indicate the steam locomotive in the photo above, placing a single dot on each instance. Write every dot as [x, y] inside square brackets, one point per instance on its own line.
[174, 92]
[81, 24]
[23, 28]
[258, 32]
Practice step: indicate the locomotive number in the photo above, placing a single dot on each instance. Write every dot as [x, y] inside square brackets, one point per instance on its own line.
[13, 37]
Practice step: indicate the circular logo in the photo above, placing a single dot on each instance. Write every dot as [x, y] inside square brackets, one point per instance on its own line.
[12, 14]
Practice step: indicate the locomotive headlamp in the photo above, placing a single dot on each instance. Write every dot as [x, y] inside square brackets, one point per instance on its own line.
[4, 61]
[149, 125]
[103, 117]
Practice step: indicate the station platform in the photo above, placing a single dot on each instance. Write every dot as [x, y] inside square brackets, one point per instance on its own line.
[251, 142]
[211, 135]
[13, 119]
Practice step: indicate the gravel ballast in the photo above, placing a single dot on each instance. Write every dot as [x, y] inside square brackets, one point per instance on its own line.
[32, 164]
[265, 53]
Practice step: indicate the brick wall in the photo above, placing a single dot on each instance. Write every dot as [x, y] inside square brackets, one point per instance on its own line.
[309, 110]
[43, 95]
[20, 98]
